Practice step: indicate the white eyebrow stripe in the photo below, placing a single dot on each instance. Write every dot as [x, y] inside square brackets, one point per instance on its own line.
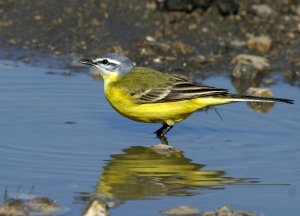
[109, 60]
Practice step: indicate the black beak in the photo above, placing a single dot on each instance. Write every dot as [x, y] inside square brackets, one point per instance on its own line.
[86, 62]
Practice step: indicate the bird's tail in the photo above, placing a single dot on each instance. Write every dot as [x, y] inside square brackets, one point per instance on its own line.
[237, 98]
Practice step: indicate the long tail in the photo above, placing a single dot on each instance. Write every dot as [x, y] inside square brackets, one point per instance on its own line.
[237, 98]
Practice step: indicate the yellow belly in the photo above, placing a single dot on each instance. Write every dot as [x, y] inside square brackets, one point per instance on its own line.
[156, 112]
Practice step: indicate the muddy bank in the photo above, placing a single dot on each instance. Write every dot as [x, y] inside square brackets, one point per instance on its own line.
[201, 39]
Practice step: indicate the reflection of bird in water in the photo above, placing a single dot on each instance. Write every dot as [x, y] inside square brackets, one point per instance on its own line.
[142, 173]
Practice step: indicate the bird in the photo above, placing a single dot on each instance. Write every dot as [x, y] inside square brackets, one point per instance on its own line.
[147, 95]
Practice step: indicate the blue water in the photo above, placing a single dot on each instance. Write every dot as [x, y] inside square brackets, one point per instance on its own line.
[60, 135]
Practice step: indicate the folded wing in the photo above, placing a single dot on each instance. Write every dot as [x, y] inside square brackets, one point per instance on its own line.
[177, 90]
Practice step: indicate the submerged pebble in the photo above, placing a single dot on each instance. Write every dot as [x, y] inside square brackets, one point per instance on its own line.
[165, 149]
[259, 106]
[181, 210]
[226, 211]
[14, 207]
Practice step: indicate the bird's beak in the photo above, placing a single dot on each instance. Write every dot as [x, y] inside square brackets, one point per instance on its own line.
[87, 62]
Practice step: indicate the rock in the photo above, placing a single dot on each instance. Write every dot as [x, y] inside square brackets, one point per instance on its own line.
[181, 210]
[259, 106]
[15, 207]
[268, 82]
[237, 43]
[182, 48]
[260, 63]
[184, 5]
[244, 69]
[291, 75]
[4, 23]
[227, 7]
[180, 5]
[198, 59]
[296, 62]
[226, 211]
[44, 205]
[297, 10]
[262, 10]
[260, 92]
[204, 4]
[261, 43]
[96, 208]
[165, 149]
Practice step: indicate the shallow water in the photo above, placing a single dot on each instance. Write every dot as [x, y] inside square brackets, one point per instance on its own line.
[60, 135]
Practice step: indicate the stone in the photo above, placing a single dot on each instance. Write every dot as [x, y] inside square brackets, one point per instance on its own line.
[14, 207]
[165, 149]
[244, 69]
[260, 63]
[184, 5]
[262, 10]
[259, 106]
[181, 210]
[226, 211]
[296, 62]
[180, 5]
[96, 208]
[261, 43]
[227, 7]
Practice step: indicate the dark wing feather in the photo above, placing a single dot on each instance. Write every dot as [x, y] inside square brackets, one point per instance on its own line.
[177, 90]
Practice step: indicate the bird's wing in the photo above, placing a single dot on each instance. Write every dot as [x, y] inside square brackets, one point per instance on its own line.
[179, 89]
[155, 87]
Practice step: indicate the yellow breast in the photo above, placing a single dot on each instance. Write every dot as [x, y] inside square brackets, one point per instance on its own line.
[153, 112]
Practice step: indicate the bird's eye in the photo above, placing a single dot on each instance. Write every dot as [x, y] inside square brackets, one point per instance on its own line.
[105, 61]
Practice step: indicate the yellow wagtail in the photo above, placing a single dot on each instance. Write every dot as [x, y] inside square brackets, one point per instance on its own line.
[147, 95]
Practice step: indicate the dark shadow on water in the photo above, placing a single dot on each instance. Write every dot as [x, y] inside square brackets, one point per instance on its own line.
[145, 173]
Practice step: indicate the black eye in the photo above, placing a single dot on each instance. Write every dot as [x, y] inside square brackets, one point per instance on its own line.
[105, 61]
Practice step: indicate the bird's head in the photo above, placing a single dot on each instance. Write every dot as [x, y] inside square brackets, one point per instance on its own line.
[110, 64]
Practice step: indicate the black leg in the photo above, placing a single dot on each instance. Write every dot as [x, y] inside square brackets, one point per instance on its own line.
[164, 140]
[161, 132]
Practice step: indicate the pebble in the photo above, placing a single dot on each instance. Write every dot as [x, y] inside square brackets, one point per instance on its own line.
[227, 7]
[15, 207]
[291, 75]
[181, 210]
[262, 10]
[223, 211]
[260, 63]
[199, 59]
[259, 106]
[296, 62]
[244, 69]
[297, 10]
[184, 5]
[96, 208]
[261, 43]
[180, 5]
[226, 211]
[260, 92]
[27, 206]
[165, 149]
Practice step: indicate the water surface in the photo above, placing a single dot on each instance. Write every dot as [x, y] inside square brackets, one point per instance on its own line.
[59, 134]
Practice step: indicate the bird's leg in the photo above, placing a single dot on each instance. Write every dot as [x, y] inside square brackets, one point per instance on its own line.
[161, 132]
[164, 140]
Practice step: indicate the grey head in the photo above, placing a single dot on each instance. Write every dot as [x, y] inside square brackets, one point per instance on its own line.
[110, 63]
